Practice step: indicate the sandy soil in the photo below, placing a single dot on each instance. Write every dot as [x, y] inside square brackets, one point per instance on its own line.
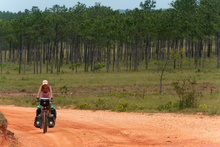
[102, 128]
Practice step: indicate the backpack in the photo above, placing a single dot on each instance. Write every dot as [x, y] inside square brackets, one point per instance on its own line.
[45, 88]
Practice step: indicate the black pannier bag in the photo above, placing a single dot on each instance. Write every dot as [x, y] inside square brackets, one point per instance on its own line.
[44, 102]
[37, 122]
[51, 122]
[54, 113]
[38, 111]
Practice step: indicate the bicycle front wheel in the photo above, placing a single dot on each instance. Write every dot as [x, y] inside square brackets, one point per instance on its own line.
[44, 122]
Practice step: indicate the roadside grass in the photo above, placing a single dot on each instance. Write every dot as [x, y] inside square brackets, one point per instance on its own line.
[128, 102]
[2, 117]
[115, 91]
[210, 103]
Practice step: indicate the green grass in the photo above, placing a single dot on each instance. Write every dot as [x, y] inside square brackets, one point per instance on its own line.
[2, 117]
[115, 91]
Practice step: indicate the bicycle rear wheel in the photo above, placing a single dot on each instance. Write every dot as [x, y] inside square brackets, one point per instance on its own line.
[44, 122]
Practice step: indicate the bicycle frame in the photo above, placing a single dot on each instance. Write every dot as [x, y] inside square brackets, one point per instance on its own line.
[44, 102]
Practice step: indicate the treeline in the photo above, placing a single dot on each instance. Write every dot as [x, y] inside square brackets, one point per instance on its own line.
[9, 15]
[98, 36]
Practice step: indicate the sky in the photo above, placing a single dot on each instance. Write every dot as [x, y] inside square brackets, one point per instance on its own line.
[21, 5]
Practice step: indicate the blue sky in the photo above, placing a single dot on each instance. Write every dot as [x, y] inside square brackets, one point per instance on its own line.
[21, 5]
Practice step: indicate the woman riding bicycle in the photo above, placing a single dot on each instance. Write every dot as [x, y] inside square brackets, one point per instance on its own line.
[45, 91]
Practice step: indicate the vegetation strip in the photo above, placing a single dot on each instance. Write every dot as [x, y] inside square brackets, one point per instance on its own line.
[97, 37]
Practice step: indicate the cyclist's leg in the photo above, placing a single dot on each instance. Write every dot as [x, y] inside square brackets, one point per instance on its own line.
[49, 108]
[41, 107]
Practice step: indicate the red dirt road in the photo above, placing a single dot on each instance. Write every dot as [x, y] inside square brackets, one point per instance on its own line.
[102, 128]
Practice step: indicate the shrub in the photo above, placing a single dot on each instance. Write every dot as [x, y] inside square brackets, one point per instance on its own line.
[64, 89]
[168, 106]
[99, 67]
[198, 70]
[187, 93]
[2, 117]
[102, 104]
[3, 78]
[83, 106]
[25, 79]
[204, 108]
[7, 72]
[73, 66]
[16, 68]
[121, 94]
[62, 72]
[122, 107]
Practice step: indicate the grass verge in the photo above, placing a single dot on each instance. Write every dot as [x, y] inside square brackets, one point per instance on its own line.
[2, 117]
[115, 91]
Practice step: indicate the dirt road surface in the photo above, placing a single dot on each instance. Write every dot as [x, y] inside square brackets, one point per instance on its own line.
[76, 128]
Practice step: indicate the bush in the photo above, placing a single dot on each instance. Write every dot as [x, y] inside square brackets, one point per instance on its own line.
[169, 106]
[121, 94]
[7, 72]
[2, 78]
[64, 89]
[99, 67]
[2, 117]
[122, 107]
[198, 70]
[16, 68]
[102, 104]
[83, 106]
[73, 66]
[187, 93]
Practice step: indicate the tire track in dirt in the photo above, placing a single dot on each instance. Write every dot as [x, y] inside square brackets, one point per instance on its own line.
[103, 128]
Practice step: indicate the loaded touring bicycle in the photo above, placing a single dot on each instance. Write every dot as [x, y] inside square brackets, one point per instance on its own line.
[42, 119]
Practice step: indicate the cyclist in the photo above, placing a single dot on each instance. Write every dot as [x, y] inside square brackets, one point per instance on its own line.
[45, 91]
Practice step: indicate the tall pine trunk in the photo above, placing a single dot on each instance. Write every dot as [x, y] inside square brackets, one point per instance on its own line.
[34, 58]
[40, 57]
[196, 54]
[1, 58]
[218, 46]
[52, 58]
[20, 52]
[108, 57]
[209, 47]
[127, 54]
[146, 54]
[113, 60]
[118, 56]
[204, 55]
[25, 52]
[57, 59]
[85, 57]
[10, 48]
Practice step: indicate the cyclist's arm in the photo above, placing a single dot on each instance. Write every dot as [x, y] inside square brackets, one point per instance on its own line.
[51, 93]
[38, 94]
